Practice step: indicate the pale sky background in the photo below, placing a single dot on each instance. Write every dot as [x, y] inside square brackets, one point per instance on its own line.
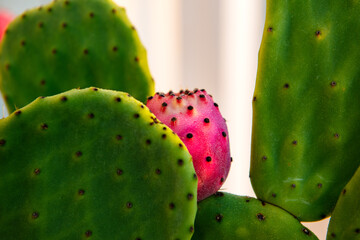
[211, 44]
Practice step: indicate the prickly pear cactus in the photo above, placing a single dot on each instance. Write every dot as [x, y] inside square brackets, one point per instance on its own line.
[68, 44]
[227, 216]
[345, 219]
[93, 163]
[306, 134]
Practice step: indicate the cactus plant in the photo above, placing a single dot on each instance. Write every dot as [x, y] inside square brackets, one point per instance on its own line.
[227, 216]
[305, 114]
[345, 220]
[93, 163]
[68, 44]
[195, 117]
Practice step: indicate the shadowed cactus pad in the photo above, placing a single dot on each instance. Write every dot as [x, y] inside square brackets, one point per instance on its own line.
[93, 163]
[345, 219]
[69, 44]
[227, 216]
[306, 131]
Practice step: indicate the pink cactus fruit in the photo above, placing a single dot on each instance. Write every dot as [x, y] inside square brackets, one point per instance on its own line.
[5, 19]
[196, 119]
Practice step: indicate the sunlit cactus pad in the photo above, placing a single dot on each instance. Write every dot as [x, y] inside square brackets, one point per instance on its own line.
[306, 131]
[93, 163]
[68, 44]
[227, 216]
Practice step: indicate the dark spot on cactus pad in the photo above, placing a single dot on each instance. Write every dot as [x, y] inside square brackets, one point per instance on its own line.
[117, 99]
[323, 216]
[293, 185]
[202, 90]
[36, 171]
[149, 98]
[273, 195]
[95, 89]
[306, 231]
[231, 159]
[137, 238]
[263, 203]
[219, 217]
[333, 83]
[208, 159]
[91, 115]
[158, 171]
[181, 91]
[7, 66]
[63, 98]
[336, 135]
[189, 135]
[286, 85]
[216, 105]
[113, 10]
[64, 25]
[34, 215]
[178, 99]
[23, 16]
[18, 112]
[254, 99]
[206, 120]
[164, 104]
[344, 191]
[247, 200]
[129, 205]
[22, 43]
[180, 162]
[91, 15]
[164, 135]
[173, 119]
[49, 9]
[219, 194]
[294, 142]
[67, 3]
[224, 134]
[119, 137]
[222, 180]
[190, 107]
[136, 115]
[44, 126]
[40, 24]
[191, 229]
[318, 33]
[187, 92]
[190, 196]
[78, 154]
[42, 82]
[180, 145]
[270, 29]
[357, 230]
[86, 51]
[202, 96]
[136, 59]
[133, 27]
[171, 205]
[319, 185]
[88, 233]
[81, 192]
[260, 216]
[142, 106]
[54, 51]
[148, 141]
[119, 172]
[195, 176]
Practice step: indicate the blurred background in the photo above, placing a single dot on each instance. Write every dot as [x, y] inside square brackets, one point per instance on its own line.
[211, 44]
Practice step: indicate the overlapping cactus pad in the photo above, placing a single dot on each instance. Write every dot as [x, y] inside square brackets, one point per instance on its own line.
[69, 44]
[93, 163]
[345, 220]
[306, 131]
[227, 216]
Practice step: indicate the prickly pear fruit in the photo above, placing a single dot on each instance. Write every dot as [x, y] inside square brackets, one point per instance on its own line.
[5, 19]
[227, 216]
[305, 113]
[69, 44]
[195, 117]
[345, 219]
[93, 163]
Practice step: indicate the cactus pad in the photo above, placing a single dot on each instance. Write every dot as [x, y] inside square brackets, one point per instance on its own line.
[93, 163]
[345, 219]
[69, 44]
[227, 216]
[306, 134]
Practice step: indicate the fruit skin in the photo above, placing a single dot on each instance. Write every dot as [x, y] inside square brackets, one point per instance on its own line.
[195, 117]
[69, 44]
[227, 216]
[5, 19]
[345, 219]
[93, 162]
[306, 134]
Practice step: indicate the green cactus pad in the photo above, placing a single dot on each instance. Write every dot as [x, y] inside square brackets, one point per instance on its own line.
[69, 44]
[93, 163]
[345, 219]
[306, 131]
[227, 216]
